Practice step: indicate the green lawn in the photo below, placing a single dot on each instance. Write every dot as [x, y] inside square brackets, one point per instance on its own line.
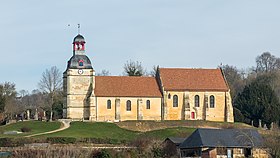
[95, 130]
[35, 126]
[171, 132]
[157, 125]
[105, 130]
[112, 131]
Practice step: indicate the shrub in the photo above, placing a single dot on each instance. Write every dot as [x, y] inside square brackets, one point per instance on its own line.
[52, 151]
[25, 129]
[272, 141]
[157, 152]
[14, 142]
[6, 142]
[99, 140]
[103, 154]
[61, 140]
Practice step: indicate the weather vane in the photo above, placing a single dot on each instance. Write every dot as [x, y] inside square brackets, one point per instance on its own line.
[79, 26]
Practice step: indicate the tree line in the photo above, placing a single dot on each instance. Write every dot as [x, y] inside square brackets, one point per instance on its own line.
[46, 100]
[255, 91]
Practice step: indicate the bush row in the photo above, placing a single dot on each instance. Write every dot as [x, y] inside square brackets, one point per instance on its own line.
[61, 140]
[102, 141]
[70, 140]
[14, 142]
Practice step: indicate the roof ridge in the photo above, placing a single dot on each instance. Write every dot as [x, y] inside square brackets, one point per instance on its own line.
[127, 86]
[195, 79]
[200, 136]
[128, 76]
[190, 68]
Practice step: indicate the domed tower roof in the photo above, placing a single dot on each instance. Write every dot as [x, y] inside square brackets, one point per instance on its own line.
[79, 60]
[79, 38]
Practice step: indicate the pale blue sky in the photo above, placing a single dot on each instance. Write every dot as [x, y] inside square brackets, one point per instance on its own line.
[171, 33]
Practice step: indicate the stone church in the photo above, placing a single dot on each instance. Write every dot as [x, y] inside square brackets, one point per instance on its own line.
[174, 94]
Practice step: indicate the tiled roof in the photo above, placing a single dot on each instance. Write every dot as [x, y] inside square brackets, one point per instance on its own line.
[193, 79]
[126, 86]
[223, 138]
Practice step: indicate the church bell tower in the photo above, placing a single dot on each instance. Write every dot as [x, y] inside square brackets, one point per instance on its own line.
[79, 84]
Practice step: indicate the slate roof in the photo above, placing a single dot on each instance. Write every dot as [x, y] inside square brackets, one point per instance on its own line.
[73, 63]
[223, 138]
[193, 79]
[126, 86]
[79, 38]
[176, 140]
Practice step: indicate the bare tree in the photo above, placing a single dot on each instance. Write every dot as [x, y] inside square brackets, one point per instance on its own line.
[7, 94]
[23, 93]
[234, 78]
[272, 141]
[132, 68]
[153, 72]
[13, 107]
[103, 73]
[267, 62]
[51, 84]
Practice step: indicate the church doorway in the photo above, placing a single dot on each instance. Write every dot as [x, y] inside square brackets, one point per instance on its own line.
[192, 115]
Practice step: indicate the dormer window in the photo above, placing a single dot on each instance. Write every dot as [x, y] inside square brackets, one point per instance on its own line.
[81, 63]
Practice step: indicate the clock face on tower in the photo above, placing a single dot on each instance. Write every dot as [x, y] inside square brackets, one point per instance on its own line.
[80, 71]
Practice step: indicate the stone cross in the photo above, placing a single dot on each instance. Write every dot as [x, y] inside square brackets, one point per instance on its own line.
[36, 115]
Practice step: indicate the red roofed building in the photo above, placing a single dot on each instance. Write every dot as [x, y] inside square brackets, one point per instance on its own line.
[174, 94]
[195, 94]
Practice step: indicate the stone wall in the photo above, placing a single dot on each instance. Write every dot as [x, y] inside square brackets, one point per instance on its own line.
[79, 91]
[186, 106]
[81, 103]
[118, 110]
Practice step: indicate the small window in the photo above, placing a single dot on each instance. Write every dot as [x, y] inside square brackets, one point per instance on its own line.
[169, 96]
[128, 105]
[108, 104]
[148, 106]
[81, 63]
[196, 101]
[212, 101]
[175, 101]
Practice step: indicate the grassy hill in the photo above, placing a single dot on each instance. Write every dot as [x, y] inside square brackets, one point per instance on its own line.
[35, 126]
[127, 130]
[144, 126]
[95, 130]
[170, 132]
[112, 131]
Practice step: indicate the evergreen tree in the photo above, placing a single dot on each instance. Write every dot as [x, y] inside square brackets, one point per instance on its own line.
[258, 101]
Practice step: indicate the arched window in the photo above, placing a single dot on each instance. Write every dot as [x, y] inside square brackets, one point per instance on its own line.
[196, 101]
[81, 63]
[128, 105]
[148, 106]
[108, 104]
[212, 101]
[175, 101]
